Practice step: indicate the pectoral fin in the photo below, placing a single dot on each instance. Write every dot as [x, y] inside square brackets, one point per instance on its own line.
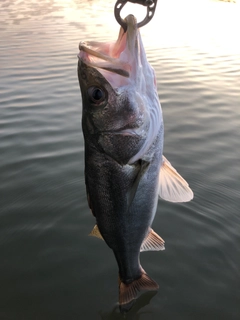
[141, 171]
[172, 187]
[96, 233]
[152, 242]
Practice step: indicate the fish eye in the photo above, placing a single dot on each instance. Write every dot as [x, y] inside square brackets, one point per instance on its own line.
[96, 94]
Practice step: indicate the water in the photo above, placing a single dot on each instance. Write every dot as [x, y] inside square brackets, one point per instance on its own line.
[49, 267]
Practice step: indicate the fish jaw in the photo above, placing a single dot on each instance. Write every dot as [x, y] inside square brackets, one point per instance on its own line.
[106, 59]
[119, 58]
[123, 62]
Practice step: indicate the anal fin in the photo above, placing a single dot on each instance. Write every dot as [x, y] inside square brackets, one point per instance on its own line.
[129, 292]
[152, 242]
[96, 233]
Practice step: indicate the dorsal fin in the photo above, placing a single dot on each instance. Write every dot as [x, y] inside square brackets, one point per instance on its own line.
[96, 233]
[172, 187]
[152, 242]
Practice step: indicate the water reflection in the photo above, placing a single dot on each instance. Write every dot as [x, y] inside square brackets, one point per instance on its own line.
[203, 23]
[13, 12]
[134, 313]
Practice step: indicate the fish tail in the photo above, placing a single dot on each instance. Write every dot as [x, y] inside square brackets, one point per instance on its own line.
[129, 292]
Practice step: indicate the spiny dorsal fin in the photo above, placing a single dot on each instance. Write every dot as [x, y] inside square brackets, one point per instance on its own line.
[172, 187]
[96, 233]
[152, 242]
[128, 292]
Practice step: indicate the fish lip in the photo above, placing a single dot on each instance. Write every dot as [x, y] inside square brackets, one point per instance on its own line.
[84, 47]
[132, 32]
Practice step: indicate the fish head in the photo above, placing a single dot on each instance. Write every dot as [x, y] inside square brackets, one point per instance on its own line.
[118, 88]
[105, 109]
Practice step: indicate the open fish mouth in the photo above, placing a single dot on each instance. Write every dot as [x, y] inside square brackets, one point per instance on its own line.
[119, 57]
[97, 59]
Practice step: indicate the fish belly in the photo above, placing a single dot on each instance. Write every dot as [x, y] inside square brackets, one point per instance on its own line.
[123, 199]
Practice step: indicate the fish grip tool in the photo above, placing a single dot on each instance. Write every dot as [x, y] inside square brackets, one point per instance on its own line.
[150, 4]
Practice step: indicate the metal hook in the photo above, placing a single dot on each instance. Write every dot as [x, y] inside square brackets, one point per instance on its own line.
[150, 4]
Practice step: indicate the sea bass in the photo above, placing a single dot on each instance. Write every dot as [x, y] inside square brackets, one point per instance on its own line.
[125, 169]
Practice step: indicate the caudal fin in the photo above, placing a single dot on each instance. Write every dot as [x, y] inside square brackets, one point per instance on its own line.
[129, 292]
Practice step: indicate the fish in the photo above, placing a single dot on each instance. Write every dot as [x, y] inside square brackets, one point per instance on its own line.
[125, 170]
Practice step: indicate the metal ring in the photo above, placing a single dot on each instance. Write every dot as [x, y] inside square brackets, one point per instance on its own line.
[151, 6]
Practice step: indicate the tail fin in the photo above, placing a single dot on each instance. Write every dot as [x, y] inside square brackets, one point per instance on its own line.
[128, 292]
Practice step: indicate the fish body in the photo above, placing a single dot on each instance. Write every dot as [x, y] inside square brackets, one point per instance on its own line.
[123, 133]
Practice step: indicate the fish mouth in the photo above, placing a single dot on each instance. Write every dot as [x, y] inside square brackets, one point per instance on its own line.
[114, 58]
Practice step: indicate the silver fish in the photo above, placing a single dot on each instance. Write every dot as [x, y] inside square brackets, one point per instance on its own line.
[125, 170]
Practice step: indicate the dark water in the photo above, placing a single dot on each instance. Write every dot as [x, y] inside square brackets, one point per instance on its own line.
[49, 267]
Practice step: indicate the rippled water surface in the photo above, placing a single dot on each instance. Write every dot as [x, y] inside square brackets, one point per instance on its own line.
[49, 267]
